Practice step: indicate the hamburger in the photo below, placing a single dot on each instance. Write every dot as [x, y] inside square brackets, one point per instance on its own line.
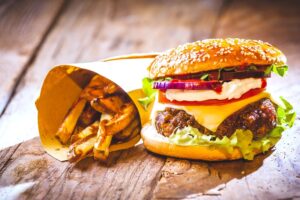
[210, 100]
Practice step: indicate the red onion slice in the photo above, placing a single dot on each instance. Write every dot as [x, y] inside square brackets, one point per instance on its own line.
[187, 85]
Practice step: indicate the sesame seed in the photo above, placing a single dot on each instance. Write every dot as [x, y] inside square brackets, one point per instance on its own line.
[206, 56]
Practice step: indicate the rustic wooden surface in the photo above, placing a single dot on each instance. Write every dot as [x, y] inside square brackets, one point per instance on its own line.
[36, 35]
[23, 26]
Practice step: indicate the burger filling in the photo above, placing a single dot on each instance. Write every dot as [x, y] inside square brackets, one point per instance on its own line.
[253, 127]
[258, 117]
[211, 87]
[233, 89]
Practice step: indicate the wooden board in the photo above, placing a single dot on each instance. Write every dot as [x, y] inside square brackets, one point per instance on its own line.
[127, 175]
[24, 25]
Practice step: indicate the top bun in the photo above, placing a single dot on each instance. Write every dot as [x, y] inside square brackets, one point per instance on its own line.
[211, 54]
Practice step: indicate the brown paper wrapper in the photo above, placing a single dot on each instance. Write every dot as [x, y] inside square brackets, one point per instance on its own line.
[63, 84]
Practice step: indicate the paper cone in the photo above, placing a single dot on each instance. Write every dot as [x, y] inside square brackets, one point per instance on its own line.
[63, 84]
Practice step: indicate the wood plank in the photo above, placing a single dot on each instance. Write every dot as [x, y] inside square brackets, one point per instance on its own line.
[23, 26]
[6, 155]
[90, 30]
[143, 26]
[275, 175]
[128, 175]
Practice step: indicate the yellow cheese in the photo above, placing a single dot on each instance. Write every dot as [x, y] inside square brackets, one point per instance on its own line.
[210, 116]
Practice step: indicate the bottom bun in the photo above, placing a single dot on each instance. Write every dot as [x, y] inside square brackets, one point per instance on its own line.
[159, 144]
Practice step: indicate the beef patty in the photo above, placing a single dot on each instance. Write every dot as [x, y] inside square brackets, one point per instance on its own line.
[259, 117]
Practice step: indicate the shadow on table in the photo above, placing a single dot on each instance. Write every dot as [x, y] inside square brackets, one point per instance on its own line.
[189, 179]
[137, 153]
[181, 178]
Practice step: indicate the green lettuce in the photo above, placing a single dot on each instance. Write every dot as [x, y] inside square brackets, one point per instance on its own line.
[279, 70]
[241, 139]
[149, 92]
[205, 77]
[147, 87]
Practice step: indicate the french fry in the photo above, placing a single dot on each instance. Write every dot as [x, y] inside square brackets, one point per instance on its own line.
[101, 147]
[81, 148]
[88, 116]
[95, 88]
[67, 127]
[90, 130]
[97, 106]
[126, 145]
[120, 120]
[102, 152]
[134, 124]
[84, 142]
[110, 104]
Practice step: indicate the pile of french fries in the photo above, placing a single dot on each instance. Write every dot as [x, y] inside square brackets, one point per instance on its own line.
[103, 119]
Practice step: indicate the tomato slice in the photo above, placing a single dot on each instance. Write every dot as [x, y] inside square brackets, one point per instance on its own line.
[163, 99]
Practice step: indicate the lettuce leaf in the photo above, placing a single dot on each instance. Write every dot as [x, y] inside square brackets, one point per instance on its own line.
[149, 92]
[286, 115]
[147, 87]
[205, 77]
[279, 70]
[241, 139]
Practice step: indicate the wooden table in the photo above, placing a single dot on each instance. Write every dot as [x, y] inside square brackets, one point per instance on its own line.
[35, 35]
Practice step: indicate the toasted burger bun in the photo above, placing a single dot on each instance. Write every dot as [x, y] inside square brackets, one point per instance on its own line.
[214, 54]
[153, 142]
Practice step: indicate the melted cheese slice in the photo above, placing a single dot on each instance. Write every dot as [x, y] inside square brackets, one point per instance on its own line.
[210, 116]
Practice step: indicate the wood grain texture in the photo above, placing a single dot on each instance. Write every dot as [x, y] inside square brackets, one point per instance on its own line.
[272, 176]
[23, 25]
[127, 175]
[151, 26]
[84, 33]
[87, 31]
